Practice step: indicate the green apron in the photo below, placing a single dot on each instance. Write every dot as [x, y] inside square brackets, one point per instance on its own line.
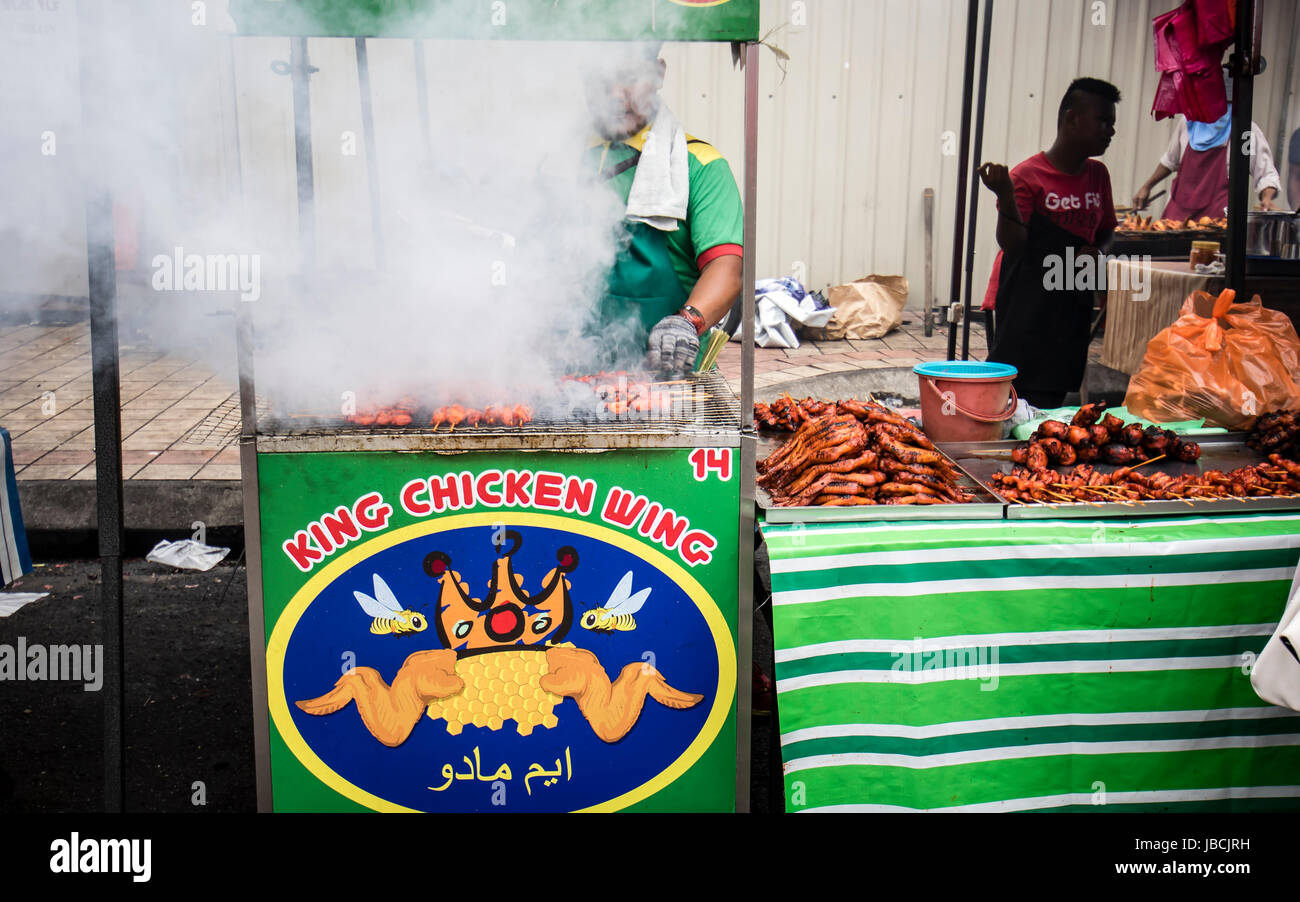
[642, 289]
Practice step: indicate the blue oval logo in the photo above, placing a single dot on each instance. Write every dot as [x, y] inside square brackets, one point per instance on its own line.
[470, 664]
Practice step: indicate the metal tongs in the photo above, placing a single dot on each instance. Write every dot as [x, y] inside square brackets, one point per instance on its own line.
[1161, 193]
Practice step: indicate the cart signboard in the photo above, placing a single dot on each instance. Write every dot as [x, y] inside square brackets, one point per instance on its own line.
[572, 20]
[501, 631]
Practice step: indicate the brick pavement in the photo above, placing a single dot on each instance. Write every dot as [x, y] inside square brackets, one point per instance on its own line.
[180, 421]
[46, 404]
[904, 347]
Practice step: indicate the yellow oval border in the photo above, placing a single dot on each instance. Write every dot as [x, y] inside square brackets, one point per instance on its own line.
[277, 646]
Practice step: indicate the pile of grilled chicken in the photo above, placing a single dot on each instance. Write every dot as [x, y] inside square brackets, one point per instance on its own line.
[622, 392]
[398, 413]
[785, 414]
[1277, 433]
[1096, 436]
[1274, 478]
[401, 413]
[1135, 222]
[454, 415]
[860, 453]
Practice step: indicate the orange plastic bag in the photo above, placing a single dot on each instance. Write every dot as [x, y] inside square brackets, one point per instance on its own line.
[1222, 361]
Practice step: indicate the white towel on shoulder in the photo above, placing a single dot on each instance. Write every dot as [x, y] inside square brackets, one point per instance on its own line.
[661, 186]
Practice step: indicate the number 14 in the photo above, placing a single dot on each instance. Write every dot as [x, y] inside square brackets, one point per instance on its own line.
[717, 460]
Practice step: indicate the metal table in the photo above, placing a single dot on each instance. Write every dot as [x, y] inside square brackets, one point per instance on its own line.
[1049, 665]
[986, 506]
[1224, 451]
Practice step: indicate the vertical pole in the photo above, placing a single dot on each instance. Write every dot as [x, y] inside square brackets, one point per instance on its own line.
[927, 202]
[748, 443]
[299, 72]
[245, 345]
[422, 99]
[749, 265]
[974, 179]
[245, 354]
[963, 163]
[1280, 139]
[1243, 75]
[372, 165]
[102, 278]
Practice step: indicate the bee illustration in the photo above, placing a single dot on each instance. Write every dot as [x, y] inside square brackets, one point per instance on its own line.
[390, 618]
[617, 612]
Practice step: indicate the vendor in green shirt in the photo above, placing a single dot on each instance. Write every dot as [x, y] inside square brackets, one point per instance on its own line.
[680, 272]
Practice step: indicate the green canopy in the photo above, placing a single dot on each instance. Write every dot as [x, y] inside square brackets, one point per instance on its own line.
[576, 20]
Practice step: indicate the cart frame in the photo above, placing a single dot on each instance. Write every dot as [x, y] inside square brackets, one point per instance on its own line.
[300, 70]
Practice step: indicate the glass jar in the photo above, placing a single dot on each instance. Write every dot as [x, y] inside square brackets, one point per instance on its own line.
[1202, 252]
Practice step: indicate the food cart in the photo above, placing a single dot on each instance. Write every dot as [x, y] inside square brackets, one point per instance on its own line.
[1084, 652]
[553, 616]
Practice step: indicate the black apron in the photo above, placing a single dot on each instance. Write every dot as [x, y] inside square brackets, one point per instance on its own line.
[1042, 332]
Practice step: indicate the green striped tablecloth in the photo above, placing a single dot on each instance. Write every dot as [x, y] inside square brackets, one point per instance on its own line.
[1044, 665]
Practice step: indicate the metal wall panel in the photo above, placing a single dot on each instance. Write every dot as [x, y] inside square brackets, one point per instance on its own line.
[864, 118]
[853, 133]
[850, 134]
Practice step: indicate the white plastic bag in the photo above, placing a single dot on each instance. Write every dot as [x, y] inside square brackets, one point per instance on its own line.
[771, 327]
[1276, 676]
[777, 304]
[187, 554]
[12, 601]
[1024, 413]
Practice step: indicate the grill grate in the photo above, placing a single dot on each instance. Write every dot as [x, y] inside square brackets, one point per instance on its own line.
[707, 405]
[222, 425]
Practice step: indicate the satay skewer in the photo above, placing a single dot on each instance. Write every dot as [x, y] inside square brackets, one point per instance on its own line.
[1075, 500]
[1109, 496]
[1114, 497]
[1108, 490]
[1145, 462]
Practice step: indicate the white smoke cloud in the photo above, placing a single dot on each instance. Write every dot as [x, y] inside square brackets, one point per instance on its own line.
[496, 244]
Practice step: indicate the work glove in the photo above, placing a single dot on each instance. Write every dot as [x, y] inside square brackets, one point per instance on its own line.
[673, 346]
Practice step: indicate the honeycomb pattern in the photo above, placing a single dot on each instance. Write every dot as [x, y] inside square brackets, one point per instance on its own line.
[499, 686]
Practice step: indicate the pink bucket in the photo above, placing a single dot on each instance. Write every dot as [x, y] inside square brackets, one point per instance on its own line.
[966, 400]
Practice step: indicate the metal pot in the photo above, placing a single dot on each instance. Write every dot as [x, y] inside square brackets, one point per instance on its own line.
[1273, 234]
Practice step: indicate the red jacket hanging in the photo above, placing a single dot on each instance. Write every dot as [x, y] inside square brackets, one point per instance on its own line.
[1190, 41]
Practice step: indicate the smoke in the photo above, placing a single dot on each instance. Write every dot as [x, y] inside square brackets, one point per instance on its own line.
[471, 272]
[42, 237]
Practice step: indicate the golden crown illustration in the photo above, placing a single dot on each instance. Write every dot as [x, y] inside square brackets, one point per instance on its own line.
[507, 616]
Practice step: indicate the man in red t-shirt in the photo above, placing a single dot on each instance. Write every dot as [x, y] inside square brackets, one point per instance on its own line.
[1053, 208]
